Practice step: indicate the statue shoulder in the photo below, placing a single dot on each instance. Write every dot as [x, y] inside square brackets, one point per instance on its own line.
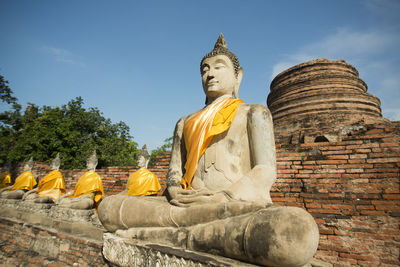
[181, 122]
[256, 111]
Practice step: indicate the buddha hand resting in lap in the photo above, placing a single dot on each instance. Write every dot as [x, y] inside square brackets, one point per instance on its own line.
[50, 187]
[221, 171]
[88, 190]
[24, 182]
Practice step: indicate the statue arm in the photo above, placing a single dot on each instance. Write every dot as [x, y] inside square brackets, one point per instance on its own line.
[178, 150]
[30, 192]
[5, 189]
[63, 197]
[176, 165]
[255, 185]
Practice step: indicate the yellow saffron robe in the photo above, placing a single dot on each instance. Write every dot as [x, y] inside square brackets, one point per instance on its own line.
[5, 179]
[26, 181]
[52, 185]
[89, 182]
[143, 183]
[199, 130]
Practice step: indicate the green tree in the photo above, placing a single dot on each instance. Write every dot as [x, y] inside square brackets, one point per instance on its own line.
[71, 130]
[166, 147]
[6, 92]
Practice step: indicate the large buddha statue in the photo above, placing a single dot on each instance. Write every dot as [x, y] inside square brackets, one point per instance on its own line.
[24, 182]
[50, 187]
[88, 190]
[142, 182]
[5, 175]
[221, 171]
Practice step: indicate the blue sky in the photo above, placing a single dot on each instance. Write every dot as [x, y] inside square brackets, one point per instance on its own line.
[138, 61]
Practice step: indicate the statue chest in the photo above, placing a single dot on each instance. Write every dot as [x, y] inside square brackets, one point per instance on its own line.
[226, 159]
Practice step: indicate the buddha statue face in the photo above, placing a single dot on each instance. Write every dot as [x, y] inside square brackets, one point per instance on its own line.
[55, 163]
[218, 76]
[220, 71]
[141, 162]
[92, 161]
[28, 165]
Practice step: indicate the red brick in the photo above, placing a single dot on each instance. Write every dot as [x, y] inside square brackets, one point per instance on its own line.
[382, 160]
[391, 196]
[372, 212]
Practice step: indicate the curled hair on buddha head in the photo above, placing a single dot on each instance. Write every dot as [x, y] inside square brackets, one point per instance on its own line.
[220, 48]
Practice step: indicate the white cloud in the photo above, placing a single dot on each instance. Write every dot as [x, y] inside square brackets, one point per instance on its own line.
[375, 53]
[62, 55]
[352, 46]
[392, 114]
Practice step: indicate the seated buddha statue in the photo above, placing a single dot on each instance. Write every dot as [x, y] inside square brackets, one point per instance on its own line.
[24, 182]
[50, 187]
[142, 182]
[5, 176]
[221, 170]
[88, 190]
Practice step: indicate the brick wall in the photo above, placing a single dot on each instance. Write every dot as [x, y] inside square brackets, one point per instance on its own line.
[351, 188]
[24, 244]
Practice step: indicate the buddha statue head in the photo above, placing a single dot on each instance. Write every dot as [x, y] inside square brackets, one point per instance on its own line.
[143, 157]
[221, 72]
[28, 165]
[92, 161]
[56, 162]
[7, 166]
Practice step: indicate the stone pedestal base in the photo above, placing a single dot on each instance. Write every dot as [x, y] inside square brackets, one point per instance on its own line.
[27, 206]
[72, 215]
[128, 252]
[82, 223]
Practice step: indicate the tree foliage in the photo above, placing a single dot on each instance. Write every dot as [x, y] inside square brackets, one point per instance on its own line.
[166, 147]
[6, 92]
[71, 130]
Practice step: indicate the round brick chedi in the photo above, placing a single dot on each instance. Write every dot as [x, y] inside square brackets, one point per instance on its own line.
[321, 94]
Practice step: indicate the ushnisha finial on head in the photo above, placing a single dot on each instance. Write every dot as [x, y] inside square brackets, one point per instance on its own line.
[56, 162]
[220, 48]
[92, 161]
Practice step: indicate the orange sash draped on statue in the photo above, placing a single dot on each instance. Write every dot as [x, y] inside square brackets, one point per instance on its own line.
[89, 182]
[26, 181]
[199, 130]
[52, 185]
[143, 183]
[5, 179]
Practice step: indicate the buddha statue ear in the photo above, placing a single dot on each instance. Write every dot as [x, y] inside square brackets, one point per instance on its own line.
[238, 81]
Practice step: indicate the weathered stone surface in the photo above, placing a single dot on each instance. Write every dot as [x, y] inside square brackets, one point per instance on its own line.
[81, 223]
[74, 215]
[128, 252]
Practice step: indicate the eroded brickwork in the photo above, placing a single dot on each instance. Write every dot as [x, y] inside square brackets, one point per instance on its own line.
[351, 188]
[32, 245]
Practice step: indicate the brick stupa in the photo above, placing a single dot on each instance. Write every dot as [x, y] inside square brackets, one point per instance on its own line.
[319, 100]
